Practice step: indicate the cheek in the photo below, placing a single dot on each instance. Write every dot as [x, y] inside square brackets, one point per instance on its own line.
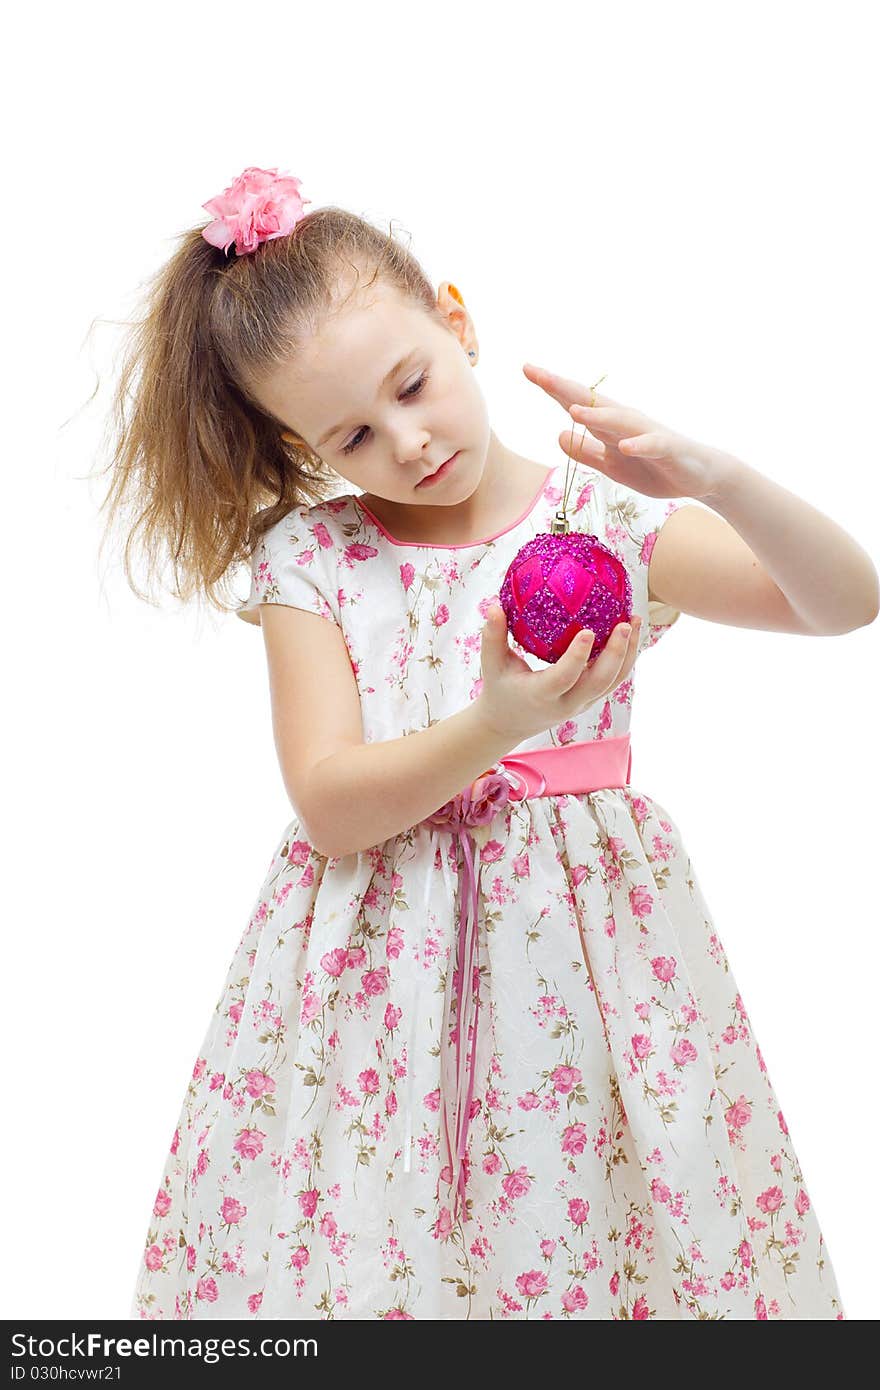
[349, 473]
[479, 410]
[463, 397]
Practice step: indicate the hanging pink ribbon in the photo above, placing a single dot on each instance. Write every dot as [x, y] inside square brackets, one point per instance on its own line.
[477, 805]
[581, 767]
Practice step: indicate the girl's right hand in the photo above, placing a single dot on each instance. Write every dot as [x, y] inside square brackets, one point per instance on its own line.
[519, 703]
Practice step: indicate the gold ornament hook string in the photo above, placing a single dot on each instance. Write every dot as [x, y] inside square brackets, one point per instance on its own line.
[567, 485]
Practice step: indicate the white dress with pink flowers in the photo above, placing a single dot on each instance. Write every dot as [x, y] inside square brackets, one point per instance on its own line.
[628, 1156]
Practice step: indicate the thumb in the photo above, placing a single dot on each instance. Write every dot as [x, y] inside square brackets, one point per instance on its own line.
[495, 625]
[493, 638]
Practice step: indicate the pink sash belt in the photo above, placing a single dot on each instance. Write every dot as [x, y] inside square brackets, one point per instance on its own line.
[574, 767]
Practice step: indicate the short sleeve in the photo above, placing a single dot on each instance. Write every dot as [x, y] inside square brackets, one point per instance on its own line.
[632, 523]
[294, 564]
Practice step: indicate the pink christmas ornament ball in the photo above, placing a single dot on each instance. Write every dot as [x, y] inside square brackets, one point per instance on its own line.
[556, 585]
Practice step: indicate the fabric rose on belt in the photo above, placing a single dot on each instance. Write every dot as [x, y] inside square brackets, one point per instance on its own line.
[476, 805]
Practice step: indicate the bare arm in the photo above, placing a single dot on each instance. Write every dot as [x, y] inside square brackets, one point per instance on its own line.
[349, 794]
[762, 558]
[371, 791]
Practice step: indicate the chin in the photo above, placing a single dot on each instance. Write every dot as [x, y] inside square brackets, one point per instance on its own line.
[469, 484]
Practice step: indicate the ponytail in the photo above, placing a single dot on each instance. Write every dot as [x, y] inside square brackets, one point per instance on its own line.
[198, 465]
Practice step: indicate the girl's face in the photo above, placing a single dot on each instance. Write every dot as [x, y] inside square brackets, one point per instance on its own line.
[384, 395]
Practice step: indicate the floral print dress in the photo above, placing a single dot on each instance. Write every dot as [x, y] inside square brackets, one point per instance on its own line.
[628, 1156]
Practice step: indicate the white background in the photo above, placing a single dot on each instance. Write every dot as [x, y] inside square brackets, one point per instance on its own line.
[680, 195]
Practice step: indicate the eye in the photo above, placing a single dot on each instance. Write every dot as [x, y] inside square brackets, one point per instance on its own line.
[411, 391]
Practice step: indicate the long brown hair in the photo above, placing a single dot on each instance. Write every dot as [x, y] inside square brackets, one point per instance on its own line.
[199, 467]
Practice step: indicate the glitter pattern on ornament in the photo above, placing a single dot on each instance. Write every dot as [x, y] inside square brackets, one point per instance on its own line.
[563, 581]
[556, 585]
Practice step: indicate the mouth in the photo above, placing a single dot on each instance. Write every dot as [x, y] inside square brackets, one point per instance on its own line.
[440, 473]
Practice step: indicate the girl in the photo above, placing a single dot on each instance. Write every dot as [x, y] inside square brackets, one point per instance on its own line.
[479, 1053]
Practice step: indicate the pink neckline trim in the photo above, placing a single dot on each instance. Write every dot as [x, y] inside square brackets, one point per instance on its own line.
[483, 540]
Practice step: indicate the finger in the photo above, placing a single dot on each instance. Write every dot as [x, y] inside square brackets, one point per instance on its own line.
[615, 651]
[611, 420]
[608, 667]
[563, 389]
[493, 641]
[581, 446]
[567, 671]
[622, 650]
[646, 446]
[496, 618]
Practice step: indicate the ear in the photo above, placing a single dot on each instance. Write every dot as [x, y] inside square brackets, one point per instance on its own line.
[289, 438]
[452, 306]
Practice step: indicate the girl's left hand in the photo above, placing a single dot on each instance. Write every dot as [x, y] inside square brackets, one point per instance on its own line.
[627, 446]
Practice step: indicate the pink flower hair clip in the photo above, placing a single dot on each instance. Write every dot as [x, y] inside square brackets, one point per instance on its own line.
[257, 206]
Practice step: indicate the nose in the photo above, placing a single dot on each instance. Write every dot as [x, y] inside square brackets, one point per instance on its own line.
[410, 447]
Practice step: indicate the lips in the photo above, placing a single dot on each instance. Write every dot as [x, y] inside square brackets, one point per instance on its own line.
[428, 476]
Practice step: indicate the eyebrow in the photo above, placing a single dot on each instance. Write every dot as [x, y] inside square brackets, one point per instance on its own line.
[385, 380]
